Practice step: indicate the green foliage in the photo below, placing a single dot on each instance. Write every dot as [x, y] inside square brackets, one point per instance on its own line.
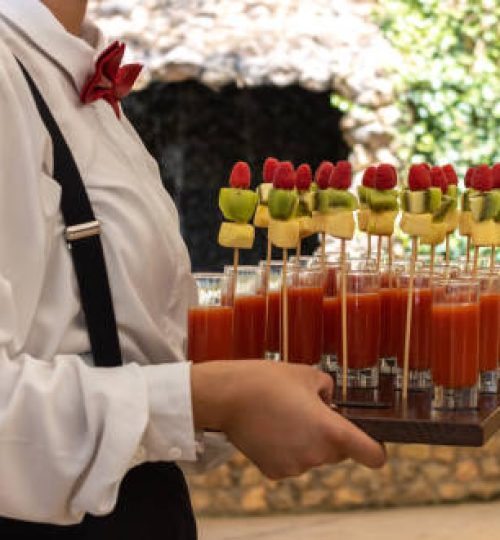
[448, 83]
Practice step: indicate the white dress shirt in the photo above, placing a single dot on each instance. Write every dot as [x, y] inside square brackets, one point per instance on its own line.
[69, 431]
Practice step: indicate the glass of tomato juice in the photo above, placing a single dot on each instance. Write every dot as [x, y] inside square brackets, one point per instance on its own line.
[331, 317]
[272, 279]
[210, 323]
[363, 329]
[455, 322]
[246, 293]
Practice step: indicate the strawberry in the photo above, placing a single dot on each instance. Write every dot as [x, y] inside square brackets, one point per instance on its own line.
[240, 176]
[269, 168]
[451, 175]
[323, 173]
[483, 178]
[284, 177]
[369, 177]
[469, 175]
[303, 177]
[495, 172]
[341, 177]
[386, 177]
[438, 178]
[419, 178]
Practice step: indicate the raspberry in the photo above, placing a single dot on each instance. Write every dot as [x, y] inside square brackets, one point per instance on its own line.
[240, 176]
[451, 175]
[284, 177]
[419, 177]
[369, 177]
[469, 175]
[438, 178]
[495, 172]
[269, 168]
[303, 177]
[323, 173]
[427, 166]
[386, 177]
[341, 177]
[483, 178]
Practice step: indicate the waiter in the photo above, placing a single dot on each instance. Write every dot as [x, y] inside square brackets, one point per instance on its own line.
[96, 400]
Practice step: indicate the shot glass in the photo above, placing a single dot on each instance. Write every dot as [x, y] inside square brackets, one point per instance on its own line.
[331, 318]
[247, 296]
[420, 375]
[489, 331]
[455, 317]
[363, 330]
[305, 314]
[210, 323]
[272, 282]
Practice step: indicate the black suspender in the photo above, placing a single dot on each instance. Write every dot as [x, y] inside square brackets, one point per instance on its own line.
[82, 235]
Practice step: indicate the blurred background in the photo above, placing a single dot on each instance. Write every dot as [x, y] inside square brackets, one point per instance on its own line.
[397, 81]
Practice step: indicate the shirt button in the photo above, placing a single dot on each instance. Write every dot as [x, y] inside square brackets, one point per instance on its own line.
[174, 453]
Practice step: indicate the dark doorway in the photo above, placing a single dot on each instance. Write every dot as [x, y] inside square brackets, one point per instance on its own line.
[197, 134]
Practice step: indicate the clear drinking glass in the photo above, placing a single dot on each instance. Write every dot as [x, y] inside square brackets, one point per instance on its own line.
[455, 316]
[247, 296]
[331, 317]
[363, 329]
[272, 280]
[419, 376]
[210, 323]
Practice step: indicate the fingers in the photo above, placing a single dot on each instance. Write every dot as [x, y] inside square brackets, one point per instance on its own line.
[325, 387]
[355, 443]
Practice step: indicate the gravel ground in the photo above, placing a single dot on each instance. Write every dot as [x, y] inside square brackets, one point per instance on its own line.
[460, 522]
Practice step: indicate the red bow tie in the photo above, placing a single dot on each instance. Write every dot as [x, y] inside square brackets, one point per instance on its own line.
[110, 81]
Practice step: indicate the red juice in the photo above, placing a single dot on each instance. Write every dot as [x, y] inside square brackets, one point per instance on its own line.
[210, 333]
[489, 340]
[390, 300]
[420, 333]
[331, 281]
[249, 326]
[305, 324]
[332, 325]
[363, 330]
[455, 345]
[273, 329]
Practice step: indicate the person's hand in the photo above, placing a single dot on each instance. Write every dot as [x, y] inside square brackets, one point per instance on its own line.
[278, 416]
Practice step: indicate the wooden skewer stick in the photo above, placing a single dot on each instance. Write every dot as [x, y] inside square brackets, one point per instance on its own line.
[267, 277]
[447, 255]
[345, 363]
[298, 251]
[284, 294]
[379, 252]
[369, 247]
[476, 257]
[323, 249]
[492, 259]
[236, 259]
[389, 260]
[467, 253]
[433, 258]
[409, 310]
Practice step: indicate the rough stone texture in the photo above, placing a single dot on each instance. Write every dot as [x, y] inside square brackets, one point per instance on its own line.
[414, 475]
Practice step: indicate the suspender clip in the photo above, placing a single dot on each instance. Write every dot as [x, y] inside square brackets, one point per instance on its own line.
[83, 230]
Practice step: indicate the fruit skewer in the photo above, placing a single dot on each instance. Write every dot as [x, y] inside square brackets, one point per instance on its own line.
[305, 206]
[452, 217]
[322, 181]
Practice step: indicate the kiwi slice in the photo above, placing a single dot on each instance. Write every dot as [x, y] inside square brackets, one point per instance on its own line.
[263, 191]
[237, 204]
[306, 204]
[491, 205]
[452, 191]
[447, 204]
[364, 194]
[476, 207]
[434, 196]
[382, 201]
[322, 201]
[339, 198]
[282, 203]
[415, 202]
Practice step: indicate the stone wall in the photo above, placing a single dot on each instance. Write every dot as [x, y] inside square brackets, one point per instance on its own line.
[414, 474]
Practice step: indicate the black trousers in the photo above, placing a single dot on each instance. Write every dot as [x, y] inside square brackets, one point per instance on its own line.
[153, 504]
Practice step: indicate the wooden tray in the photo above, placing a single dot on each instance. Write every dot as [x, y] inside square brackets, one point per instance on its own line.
[382, 415]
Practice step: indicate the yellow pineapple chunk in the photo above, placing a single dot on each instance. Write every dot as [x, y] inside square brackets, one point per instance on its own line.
[318, 222]
[340, 224]
[416, 224]
[261, 218]
[484, 233]
[435, 235]
[306, 226]
[363, 218]
[236, 235]
[451, 221]
[284, 234]
[382, 223]
[465, 223]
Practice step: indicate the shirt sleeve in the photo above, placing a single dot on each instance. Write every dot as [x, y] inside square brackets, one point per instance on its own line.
[69, 432]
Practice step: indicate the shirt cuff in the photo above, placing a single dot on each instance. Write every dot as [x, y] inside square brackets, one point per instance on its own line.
[169, 435]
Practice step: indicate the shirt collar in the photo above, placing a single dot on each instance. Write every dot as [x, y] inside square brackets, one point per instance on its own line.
[75, 55]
